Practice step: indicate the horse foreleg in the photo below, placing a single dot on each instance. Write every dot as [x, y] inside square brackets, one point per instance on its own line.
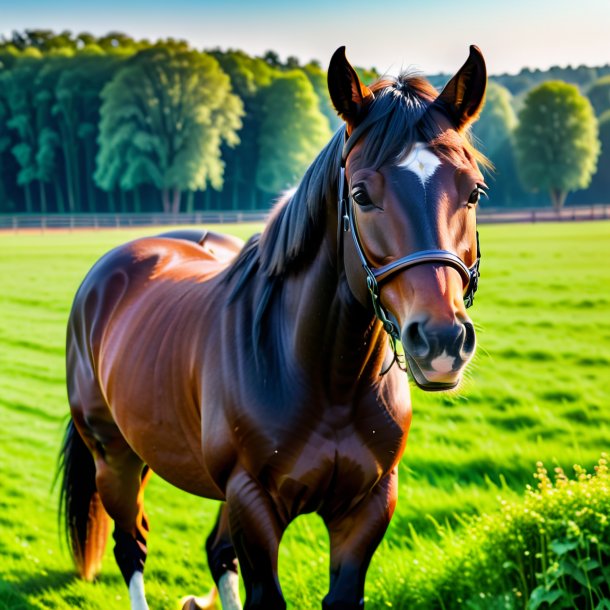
[256, 530]
[353, 540]
[223, 565]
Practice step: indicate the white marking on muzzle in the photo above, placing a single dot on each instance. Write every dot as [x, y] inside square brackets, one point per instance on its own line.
[136, 592]
[443, 363]
[422, 162]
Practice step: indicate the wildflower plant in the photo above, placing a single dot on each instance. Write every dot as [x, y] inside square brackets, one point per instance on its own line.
[551, 549]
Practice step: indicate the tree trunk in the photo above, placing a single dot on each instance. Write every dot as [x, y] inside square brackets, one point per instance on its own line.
[236, 181]
[28, 198]
[558, 198]
[176, 201]
[68, 167]
[137, 200]
[59, 196]
[89, 175]
[165, 200]
[111, 201]
[190, 202]
[43, 197]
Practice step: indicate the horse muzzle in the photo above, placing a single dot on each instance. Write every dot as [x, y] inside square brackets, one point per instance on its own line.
[437, 354]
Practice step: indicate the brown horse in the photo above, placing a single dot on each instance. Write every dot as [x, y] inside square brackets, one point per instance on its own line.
[262, 376]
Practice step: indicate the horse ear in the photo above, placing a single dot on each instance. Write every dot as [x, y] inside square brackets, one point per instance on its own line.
[463, 95]
[349, 96]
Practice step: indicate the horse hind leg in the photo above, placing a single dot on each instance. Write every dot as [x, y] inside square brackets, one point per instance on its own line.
[222, 561]
[121, 479]
[113, 485]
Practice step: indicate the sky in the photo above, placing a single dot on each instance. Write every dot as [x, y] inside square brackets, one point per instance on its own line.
[430, 35]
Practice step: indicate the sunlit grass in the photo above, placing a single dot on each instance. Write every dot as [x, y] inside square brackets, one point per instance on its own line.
[537, 390]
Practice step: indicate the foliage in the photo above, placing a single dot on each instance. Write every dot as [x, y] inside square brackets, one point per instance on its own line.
[52, 166]
[293, 131]
[556, 140]
[599, 94]
[553, 547]
[497, 121]
[493, 134]
[601, 181]
[163, 118]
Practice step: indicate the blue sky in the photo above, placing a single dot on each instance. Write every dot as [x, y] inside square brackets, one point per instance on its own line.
[432, 35]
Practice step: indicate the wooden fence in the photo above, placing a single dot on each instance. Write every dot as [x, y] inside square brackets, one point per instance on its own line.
[19, 222]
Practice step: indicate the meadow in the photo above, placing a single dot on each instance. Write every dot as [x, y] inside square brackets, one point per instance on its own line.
[538, 390]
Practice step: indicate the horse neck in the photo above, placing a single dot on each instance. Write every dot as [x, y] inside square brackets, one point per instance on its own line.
[334, 334]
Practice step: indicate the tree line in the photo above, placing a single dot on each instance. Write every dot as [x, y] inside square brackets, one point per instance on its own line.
[113, 124]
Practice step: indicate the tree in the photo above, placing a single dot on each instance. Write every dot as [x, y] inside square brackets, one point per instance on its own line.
[599, 94]
[600, 185]
[317, 77]
[249, 77]
[20, 93]
[164, 117]
[494, 134]
[497, 121]
[293, 131]
[556, 140]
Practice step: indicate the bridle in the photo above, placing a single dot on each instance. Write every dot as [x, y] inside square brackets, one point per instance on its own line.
[376, 276]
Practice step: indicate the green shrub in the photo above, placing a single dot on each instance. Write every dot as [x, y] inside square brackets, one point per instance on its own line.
[550, 549]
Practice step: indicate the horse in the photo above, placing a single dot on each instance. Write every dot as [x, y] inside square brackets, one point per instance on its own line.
[263, 376]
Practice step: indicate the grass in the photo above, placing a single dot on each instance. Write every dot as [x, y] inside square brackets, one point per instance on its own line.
[537, 390]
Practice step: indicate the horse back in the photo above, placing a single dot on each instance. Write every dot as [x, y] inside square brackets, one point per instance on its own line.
[135, 331]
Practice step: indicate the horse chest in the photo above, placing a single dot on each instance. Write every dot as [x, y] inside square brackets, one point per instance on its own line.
[322, 457]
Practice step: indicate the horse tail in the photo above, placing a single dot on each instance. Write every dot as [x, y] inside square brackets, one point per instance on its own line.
[85, 521]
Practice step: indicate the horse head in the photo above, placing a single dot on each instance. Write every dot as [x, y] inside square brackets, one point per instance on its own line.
[409, 187]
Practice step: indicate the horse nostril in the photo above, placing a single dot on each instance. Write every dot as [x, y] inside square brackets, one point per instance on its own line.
[469, 341]
[417, 343]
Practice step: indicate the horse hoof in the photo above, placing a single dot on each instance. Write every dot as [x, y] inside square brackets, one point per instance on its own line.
[200, 603]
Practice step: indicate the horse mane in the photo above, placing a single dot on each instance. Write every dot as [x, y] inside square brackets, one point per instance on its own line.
[404, 111]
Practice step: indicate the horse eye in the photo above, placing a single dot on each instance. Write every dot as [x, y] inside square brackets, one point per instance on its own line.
[475, 196]
[361, 197]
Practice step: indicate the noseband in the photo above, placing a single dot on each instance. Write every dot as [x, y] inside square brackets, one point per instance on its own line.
[375, 276]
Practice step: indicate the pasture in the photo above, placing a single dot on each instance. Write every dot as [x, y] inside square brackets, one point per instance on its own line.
[537, 390]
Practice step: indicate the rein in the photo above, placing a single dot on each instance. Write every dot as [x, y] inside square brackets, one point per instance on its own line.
[375, 276]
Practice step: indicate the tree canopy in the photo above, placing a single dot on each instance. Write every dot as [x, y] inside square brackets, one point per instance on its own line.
[556, 140]
[164, 117]
[51, 140]
[293, 131]
[599, 94]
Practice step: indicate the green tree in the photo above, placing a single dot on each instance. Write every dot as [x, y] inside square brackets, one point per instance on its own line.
[317, 77]
[599, 94]
[497, 121]
[600, 184]
[556, 140]
[164, 116]
[77, 85]
[293, 131]
[23, 116]
[249, 77]
[494, 134]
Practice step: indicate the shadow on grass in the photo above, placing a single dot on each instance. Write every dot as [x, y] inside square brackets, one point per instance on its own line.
[18, 589]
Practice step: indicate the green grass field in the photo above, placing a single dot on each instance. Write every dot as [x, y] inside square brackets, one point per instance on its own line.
[537, 390]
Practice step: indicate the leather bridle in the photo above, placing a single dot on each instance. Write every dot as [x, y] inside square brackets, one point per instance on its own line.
[376, 276]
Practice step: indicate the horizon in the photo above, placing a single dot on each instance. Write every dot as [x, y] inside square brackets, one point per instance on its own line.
[550, 33]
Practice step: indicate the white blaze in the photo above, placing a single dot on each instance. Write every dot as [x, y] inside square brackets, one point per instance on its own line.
[136, 592]
[422, 162]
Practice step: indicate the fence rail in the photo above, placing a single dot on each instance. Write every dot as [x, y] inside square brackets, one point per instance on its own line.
[19, 222]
